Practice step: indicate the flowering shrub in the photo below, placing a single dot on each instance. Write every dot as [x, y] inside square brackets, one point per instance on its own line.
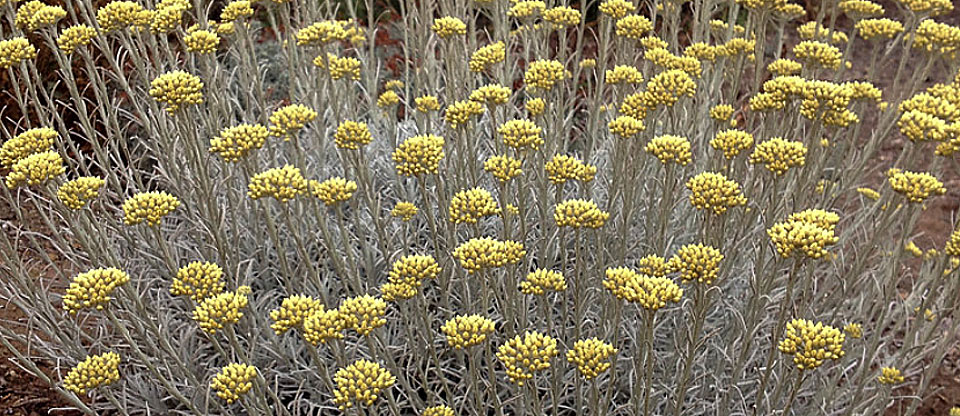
[288, 210]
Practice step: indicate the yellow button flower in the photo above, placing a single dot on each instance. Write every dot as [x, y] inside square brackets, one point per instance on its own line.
[578, 213]
[714, 192]
[234, 380]
[360, 383]
[818, 54]
[465, 331]
[35, 169]
[543, 74]
[75, 37]
[202, 41]
[670, 149]
[696, 262]
[77, 193]
[651, 293]
[732, 142]
[591, 356]
[93, 289]
[562, 168]
[177, 89]
[890, 375]
[469, 206]
[807, 233]
[292, 312]
[482, 59]
[524, 355]
[811, 343]
[540, 281]
[427, 103]
[363, 313]
[779, 155]
[878, 29]
[633, 26]
[323, 325]
[917, 187]
[459, 113]
[625, 126]
[286, 121]
[333, 191]
[484, 253]
[198, 280]
[404, 210]
[448, 26]
[616, 9]
[504, 168]
[282, 184]
[94, 371]
[234, 143]
[226, 308]
[521, 134]
[491, 94]
[419, 155]
[32, 141]
[149, 207]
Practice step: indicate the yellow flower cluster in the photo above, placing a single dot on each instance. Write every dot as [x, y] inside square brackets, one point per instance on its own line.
[623, 74]
[521, 134]
[890, 375]
[815, 31]
[234, 143]
[536, 106]
[763, 4]
[784, 67]
[394, 84]
[168, 14]
[283, 184]
[808, 233]
[579, 213]
[625, 126]
[177, 89]
[94, 371]
[235, 10]
[562, 16]
[487, 253]
[427, 103]
[854, 329]
[198, 280]
[667, 60]
[323, 325]
[670, 149]
[35, 169]
[652, 293]
[39, 15]
[562, 168]
[915, 186]
[811, 343]
[486, 56]
[713, 191]
[292, 312]
[666, 88]
[333, 191]
[363, 313]
[465, 331]
[118, 15]
[327, 31]
[591, 356]
[939, 38]
[873, 29]
[404, 210]
[76, 193]
[815, 53]
[92, 289]
[339, 67]
[387, 99]
[696, 262]
[653, 42]
[458, 113]
[721, 112]
[701, 51]
[285, 121]
[75, 37]
[738, 46]
[779, 155]
[504, 168]
[438, 411]
[526, 8]
[202, 41]
[616, 9]
[408, 274]
[360, 383]
[234, 380]
[524, 355]
[448, 26]
[470, 205]
[149, 207]
[419, 155]
[539, 281]
[652, 265]
[543, 74]
[732, 142]
[215, 312]
[928, 7]
[491, 94]
[32, 141]
[920, 126]
[352, 135]
[633, 26]
[860, 9]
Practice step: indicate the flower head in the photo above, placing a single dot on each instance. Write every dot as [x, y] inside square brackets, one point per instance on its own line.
[438, 411]
[860, 9]
[818, 54]
[404, 210]
[878, 29]
[286, 121]
[811, 343]
[890, 375]
[696, 262]
[779, 155]
[30, 142]
[282, 184]
[652, 265]
[92, 289]
[387, 99]
[526, 8]
[198, 280]
[35, 169]
[292, 312]
[75, 37]
[714, 192]
[917, 187]
[323, 325]
[591, 356]
[732, 142]
[447, 27]
[485, 253]
[616, 9]
[666, 88]
[333, 191]
[76, 193]
[149, 207]
[352, 135]
[482, 59]
[784, 67]
[539, 281]
[521, 134]
[118, 15]
[652, 293]
[363, 313]
[524, 355]
[235, 10]
[491, 94]
[459, 113]
[578, 213]
[360, 383]
[807, 233]
[634, 26]
[94, 371]
[625, 126]
[469, 206]
[623, 74]
[562, 168]
[427, 103]
[670, 149]
[234, 380]
[543, 74]
[177, 89]
[419, 155]
[562, 16]
[216, 312]
[854, 330]
[234, 143]
[465, 331]
[504, 168]
[339, 67]
[202, 41]
[536, 106]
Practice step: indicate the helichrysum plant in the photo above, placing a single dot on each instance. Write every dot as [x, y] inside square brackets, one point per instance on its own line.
[414, 208]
